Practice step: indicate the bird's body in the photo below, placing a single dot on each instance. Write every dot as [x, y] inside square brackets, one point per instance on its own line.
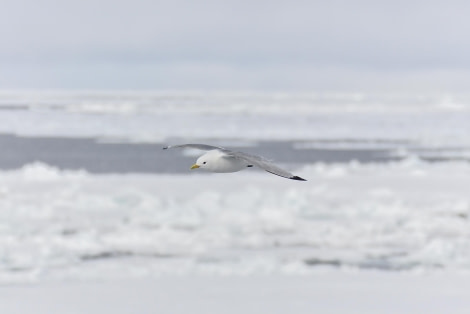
[222, 160]
[215, 161]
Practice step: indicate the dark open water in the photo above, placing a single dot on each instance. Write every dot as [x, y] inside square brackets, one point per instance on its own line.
[98, 157]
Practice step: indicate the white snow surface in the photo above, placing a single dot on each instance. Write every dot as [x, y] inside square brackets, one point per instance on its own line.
[330, 292]
[355, 238]
[432, 119]
[407, 216]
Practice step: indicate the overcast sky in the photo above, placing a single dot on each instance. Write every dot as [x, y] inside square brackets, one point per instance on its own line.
[258, 44]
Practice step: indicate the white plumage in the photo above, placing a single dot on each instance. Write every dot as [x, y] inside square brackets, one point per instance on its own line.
[223, 160]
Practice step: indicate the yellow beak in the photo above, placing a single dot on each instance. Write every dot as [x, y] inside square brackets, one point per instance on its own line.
[194, 166]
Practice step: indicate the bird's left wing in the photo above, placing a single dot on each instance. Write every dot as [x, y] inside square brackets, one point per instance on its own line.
[264, 164]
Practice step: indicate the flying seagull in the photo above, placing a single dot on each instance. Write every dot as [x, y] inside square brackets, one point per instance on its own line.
[222, 160]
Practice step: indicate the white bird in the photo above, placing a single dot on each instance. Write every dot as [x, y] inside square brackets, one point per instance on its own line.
[222, 160]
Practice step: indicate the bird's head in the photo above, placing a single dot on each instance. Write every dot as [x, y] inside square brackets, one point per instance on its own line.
[202, 162]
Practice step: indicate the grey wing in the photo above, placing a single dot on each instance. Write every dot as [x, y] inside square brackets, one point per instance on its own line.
[264, 164]
[197, 146]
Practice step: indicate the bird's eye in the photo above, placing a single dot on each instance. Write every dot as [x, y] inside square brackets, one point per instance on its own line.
[204, 163]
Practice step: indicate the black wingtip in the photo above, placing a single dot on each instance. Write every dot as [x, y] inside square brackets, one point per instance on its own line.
[297, 178]
[165, 147]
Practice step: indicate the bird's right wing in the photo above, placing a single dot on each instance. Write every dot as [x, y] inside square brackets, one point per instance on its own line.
[196, 146]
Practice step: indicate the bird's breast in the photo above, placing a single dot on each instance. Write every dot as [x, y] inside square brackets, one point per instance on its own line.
[228, 165]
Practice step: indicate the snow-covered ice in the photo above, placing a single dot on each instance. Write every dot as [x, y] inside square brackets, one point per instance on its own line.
[356, 238]
[335, 293]
[437, 120]
[408, 215]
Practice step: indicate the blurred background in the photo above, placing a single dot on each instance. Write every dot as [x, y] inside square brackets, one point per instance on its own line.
[367, 100]
[232, 45]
